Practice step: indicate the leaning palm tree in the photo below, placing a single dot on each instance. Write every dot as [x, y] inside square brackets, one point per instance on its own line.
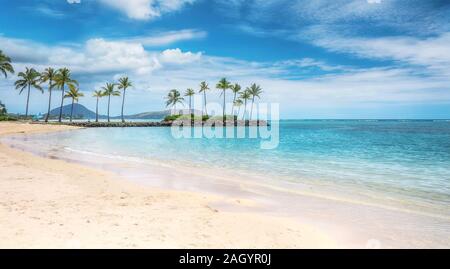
[75, 94]
[254, 91]
[223, 85]
[5, 64]
[61, 80]
[109, 91]
[98, 95]
[124, 83]
[203, 88]
[245, 96]
[49, 75]
[173, 98]
[31, 78]
[236, 88]
[238, 103]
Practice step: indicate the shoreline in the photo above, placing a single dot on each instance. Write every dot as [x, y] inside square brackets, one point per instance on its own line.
[78, 206]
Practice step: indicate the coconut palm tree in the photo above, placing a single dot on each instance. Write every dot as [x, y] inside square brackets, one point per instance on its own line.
[109, 91]
[98, 95]
[245, 96]
[75, 94]
[5, 64]
[31, 78]
[61, 80]
[238, 103]
[254, 91]
[124, 84]
[236, 88]
[49, 75]
[3, 110]
[190, 93]
[173, 98]
[223, 85]
[203, 88]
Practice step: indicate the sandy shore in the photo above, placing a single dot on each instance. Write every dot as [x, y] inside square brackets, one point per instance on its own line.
[47, 203]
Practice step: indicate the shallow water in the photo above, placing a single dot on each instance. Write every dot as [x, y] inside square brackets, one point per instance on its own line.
[391, 165]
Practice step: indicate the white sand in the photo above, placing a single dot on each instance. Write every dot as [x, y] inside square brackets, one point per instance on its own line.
[47, 203]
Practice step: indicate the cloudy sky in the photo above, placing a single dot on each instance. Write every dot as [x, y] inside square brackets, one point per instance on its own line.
[317, 59]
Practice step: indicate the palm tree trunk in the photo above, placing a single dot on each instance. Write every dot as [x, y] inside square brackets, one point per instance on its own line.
[232, 108]
[123, 102]
[204, 98]
[71, 110]
[251, 109]
[62, 104]
[245, 109]
[96, 111]
[223, 108]
[190, 110]
[49, 101]
[28, 100]
[109, 101]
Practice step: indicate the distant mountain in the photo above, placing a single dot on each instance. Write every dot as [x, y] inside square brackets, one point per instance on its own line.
[145, 115]
[81, 112]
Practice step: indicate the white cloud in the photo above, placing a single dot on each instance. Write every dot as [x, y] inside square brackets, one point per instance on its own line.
[74, 1]
[154, 72]
[178, 57]
[146, 9]
[432, 52]
[166, 38]
[374, 1]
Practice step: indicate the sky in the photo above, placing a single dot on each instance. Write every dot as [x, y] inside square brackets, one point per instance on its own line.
[317, 59]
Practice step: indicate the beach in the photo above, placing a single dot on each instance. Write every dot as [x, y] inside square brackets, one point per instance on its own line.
[51, 203]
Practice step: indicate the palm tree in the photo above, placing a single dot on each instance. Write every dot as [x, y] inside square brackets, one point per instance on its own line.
[3, 110]
[190, 93]
[98, 94]
[254, 91]
[109, 90]
[245, 96]
[203, 88]
[49, 75]
[173, 98]
[5, 64]
[75, 94]
[236, 88]
[238, 103]
[223, 85]
[61, 80]
[31, 78]
[124, 83]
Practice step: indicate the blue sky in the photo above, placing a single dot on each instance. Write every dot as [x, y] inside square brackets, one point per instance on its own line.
[317, 59]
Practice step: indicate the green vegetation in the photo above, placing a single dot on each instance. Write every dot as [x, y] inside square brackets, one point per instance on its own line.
[74, 94]
[203, 88]
[61, 80]
[31, 78]
[254, 91]
[223, 85]
[109, 91]
[49, 75]
[174, 97]
[5, 65]
[98, 95]
[124, 84]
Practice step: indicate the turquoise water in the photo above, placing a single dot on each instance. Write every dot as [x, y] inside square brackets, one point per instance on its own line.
[408, 161]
